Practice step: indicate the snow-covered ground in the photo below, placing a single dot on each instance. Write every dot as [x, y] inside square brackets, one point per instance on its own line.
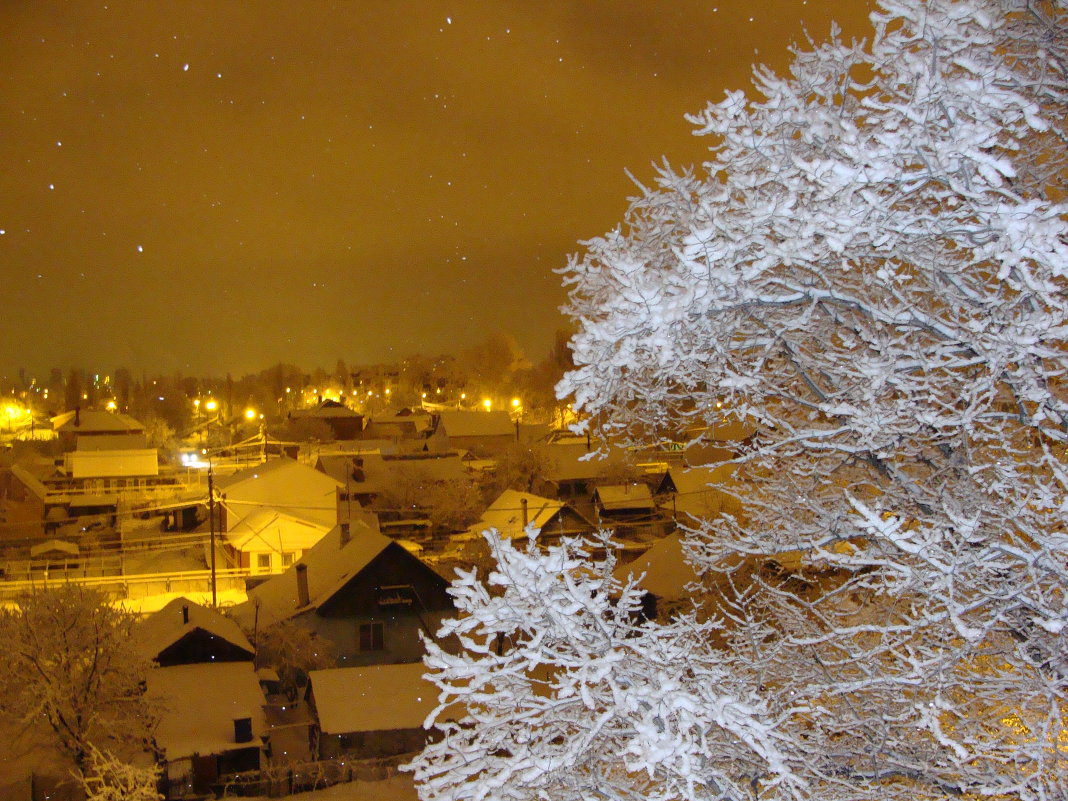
[396, 788]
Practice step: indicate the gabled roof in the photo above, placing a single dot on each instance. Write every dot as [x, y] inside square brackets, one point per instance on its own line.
[506, 513]
[285, 485]
[376, 698]
[415, 421]
[700, 491]
[462, 423]
[91, 421]
[162, 629]
[249, 476]
[618, 497]
[198, 706]
[328, 409]
[665, 567]
[54, 546]
[329, 566]
[273, 530]
[380, 471]
[339, 466]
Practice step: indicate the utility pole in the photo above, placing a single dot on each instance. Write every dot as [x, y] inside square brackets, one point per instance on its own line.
[211, 524]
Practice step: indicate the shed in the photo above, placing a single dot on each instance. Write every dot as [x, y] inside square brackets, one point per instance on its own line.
[374, 711]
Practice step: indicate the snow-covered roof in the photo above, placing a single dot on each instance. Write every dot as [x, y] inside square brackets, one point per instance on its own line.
[698, 492]
[376, 698]
[328, 409]
[54, 546]
[415, 421]
[272, 530]
[506, 513]
[616, 497]
[462, 423]
[339, 466]
[89, 421]
[282, 484]
[570, 460]
[164, 628]
[329, 567]
[380, 471]
[666, 570]
[198, 705]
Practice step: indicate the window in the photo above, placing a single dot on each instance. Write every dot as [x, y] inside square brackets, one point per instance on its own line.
[287, 558]
[372, 636]
[263, 561]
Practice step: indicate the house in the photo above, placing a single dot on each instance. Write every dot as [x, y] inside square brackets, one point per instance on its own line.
[283, 485]
[699, 493]
[91, 430]
[624, 501]
[106, 462]
[483, 433]
[361, 591]
[371, 712]
[184, 633]
[575, 467]
[664, 573]
[365, 475]
[343, 421]
[406, 430]
[269, 540]
[513, 512]
[211, 722]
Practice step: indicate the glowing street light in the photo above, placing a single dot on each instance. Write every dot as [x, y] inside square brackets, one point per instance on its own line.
[487, 403]
[211, 406]
[250, 414]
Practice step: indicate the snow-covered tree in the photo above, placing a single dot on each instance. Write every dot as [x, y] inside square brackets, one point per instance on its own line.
[870, 270]
[565, 692]
[67, 660]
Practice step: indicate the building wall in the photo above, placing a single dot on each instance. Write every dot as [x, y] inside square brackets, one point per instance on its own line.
[401, 641]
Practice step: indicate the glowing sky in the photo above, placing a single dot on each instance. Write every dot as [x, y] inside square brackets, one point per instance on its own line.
[220, 185]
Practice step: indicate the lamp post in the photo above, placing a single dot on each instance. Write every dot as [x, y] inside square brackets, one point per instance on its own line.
[211, 528]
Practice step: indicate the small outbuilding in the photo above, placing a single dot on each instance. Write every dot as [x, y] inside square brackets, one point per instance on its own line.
[375, 711]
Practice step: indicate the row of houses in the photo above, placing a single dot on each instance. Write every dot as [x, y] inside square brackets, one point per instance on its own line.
[356, 591]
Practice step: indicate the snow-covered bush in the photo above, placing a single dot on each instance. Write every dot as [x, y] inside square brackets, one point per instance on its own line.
[108, 778]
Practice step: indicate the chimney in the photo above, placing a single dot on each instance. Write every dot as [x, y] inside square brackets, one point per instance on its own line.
[185, 613]
[523, 503]
[242, 730]
[303, 598]
[346, 535]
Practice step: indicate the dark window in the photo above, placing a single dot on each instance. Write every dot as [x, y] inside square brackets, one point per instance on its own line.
[372, 637]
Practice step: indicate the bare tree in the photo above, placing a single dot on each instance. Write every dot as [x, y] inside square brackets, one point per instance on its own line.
[68, 661]
[293, 650]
